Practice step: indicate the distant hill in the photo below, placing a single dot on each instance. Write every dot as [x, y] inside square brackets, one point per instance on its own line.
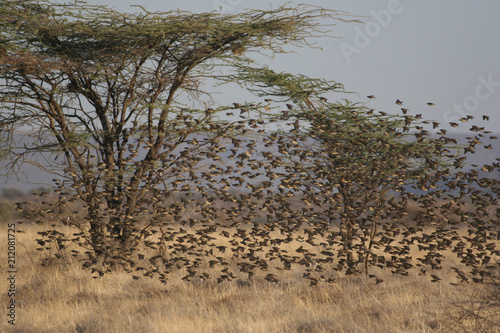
[32, 178]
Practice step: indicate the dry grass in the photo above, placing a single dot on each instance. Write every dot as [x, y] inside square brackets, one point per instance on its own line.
[60, 297]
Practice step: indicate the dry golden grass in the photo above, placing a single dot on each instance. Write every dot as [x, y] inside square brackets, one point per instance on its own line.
[60, 297]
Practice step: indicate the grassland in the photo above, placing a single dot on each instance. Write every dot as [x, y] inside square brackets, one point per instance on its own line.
[58, 296]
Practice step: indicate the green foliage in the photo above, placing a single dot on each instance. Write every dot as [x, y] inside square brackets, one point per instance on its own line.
[263, 81]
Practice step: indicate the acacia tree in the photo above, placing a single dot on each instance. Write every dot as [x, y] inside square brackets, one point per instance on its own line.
[100, 91]
[363, 169]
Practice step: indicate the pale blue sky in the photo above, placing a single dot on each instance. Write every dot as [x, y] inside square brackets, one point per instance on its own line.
[446, 52]
[443, 52]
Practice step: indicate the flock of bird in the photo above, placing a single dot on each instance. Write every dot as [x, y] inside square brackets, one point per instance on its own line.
[247, 201]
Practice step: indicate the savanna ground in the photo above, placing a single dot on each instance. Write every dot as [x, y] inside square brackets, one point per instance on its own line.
[58, 296]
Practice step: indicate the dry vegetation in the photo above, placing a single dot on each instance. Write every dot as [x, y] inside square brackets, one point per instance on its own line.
[58, 296]
[249, 217]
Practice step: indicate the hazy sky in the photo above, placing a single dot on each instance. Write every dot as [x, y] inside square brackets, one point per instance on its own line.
[446, 52]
